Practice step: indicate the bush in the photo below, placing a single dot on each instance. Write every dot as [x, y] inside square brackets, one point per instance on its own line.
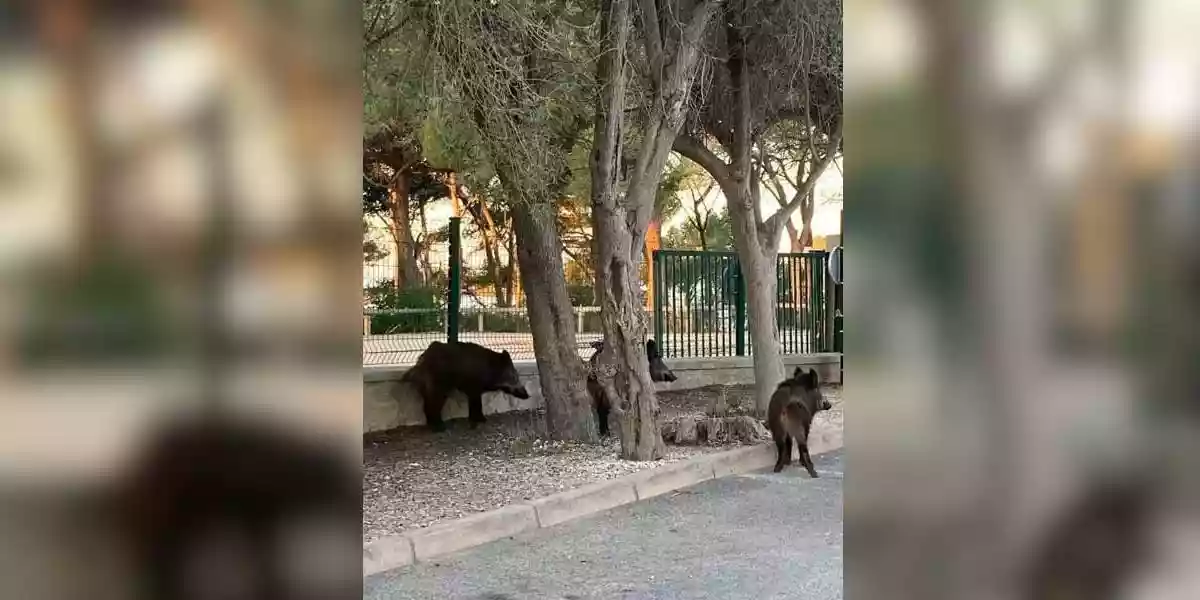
[385, 297]
[581, 295]
[505, 323]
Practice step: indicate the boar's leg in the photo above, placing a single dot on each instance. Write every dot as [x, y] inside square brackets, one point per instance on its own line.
[806, 460]
[475, 408]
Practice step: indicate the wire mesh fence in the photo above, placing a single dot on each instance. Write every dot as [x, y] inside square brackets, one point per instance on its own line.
[409, 304]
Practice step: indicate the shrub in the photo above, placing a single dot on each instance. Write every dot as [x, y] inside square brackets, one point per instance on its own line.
[384, 297]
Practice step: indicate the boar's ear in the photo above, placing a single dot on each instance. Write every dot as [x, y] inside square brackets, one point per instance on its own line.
[812, 376]
[651, 349]
[505, 354]
[798, 374]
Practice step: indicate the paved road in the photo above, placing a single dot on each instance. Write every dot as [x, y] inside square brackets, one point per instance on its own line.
[753, 536]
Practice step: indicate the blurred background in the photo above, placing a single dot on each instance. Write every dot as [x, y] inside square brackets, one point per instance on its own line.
[1022, 298]
[179, 221]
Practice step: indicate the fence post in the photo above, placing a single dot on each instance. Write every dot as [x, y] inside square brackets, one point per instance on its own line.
[657, 291]
[740, 304]
[818, 303]
[454, 293]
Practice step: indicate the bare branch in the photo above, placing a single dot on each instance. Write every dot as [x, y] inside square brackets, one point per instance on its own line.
[772, 178]
[382, 36]
[697, 152]
[654, 40]
[775, 223]
[682, 63]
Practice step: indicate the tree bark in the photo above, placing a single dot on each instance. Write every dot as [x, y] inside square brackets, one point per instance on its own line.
[793, 236]
[426, 267]
[560, 371]
[507, 271]
[400, 227]
[806, 217]
[628, 384]
[491, 244]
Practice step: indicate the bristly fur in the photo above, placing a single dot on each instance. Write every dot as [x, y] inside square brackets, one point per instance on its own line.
[789, 417]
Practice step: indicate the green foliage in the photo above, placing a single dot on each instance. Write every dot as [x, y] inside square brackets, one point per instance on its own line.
[666, 199]
[114, 311]
[718, 234]
[582, 294]
[495, 322]
[384, 297]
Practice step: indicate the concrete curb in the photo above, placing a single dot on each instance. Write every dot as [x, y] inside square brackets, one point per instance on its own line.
[438, 540]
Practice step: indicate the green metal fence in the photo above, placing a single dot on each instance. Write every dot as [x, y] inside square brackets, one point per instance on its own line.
[700, 304]
[459, 291]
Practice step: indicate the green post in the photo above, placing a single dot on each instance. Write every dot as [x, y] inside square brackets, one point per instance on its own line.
[839, 292]
[454, 293]
[740, 303]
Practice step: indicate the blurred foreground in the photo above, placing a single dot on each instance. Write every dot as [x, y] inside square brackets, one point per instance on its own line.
[180, 389]
[1023, 310]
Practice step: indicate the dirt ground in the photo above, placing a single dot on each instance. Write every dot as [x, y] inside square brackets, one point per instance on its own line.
[413, 478]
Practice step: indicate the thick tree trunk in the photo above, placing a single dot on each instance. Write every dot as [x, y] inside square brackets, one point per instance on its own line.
[617, 247]
[400, 227]
[624, 329]
[569, 414]
[757, 257]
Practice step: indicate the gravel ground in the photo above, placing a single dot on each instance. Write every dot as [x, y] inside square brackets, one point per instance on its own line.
[413, 478]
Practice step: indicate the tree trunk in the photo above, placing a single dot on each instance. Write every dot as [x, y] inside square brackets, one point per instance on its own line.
[426, 266]
[510, 281]
[617, 248]
[401, 229]
[569, 414]
[757, 257]
[492, 248]
[806, 217]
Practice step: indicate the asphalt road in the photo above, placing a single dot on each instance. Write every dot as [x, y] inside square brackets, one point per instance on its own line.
[750, 536]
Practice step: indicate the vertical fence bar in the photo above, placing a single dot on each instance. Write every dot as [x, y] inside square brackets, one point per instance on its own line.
[693, 277]
[739, 291]
[729, 281]
[454, 293]
[706, 301]
[659, 285]
[780, 292]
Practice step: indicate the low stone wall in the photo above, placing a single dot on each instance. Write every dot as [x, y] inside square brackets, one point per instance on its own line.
[387, 403]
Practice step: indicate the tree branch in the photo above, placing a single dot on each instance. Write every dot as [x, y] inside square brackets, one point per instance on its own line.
[385, 34]
[695, 150]
[775, 188]
[654, 40]
[775, 224]
[689, 44]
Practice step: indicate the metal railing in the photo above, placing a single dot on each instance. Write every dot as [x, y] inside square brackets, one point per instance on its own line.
[700, 304]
